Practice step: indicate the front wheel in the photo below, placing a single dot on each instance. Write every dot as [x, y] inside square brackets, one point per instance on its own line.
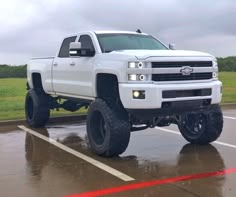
[203, 127]
[108, 130]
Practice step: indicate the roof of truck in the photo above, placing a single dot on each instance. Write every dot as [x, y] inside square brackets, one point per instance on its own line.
[118, 32]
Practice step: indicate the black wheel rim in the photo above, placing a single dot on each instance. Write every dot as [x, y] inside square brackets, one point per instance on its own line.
[195, 124]
[30, 108]
[98, 128]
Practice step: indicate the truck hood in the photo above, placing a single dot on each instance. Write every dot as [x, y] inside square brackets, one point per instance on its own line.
[144, 54]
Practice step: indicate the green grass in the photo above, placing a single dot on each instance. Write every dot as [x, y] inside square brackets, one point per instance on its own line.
[12, 96]
[229, 86]
[12, 100]
[13, 91]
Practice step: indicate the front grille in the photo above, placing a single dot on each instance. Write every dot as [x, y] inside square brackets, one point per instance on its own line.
[186, 93]
[181, 64]
[181, 77]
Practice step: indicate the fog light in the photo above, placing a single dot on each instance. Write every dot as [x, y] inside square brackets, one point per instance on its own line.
[138, 94]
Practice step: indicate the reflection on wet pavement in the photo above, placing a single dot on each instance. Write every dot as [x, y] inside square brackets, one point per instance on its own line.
[32, 167]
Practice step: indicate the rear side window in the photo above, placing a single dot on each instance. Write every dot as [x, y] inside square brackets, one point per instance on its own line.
[64, 51]
[86, 42]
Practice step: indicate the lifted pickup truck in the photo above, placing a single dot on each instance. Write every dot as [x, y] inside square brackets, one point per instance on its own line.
[130, 81]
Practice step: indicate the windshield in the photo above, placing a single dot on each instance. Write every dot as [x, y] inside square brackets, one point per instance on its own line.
[114, 42]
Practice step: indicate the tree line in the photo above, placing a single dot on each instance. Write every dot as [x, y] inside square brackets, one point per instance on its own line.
[6, 71]
[227, 64]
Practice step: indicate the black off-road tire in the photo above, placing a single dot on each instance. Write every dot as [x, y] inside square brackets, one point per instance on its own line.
[108, 131]
[37, 108]
[203, 127]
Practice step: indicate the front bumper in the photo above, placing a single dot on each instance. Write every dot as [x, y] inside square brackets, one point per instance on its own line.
[153, 94]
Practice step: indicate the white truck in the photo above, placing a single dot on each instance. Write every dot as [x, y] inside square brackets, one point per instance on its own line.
[130, 81]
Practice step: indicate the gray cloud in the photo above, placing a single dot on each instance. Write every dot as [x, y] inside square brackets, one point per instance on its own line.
[37, 27]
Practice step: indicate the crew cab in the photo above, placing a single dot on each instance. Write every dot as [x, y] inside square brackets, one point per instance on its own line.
[129, 81]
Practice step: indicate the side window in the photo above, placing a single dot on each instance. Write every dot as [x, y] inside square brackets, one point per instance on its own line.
[64, 51]
[86, 42]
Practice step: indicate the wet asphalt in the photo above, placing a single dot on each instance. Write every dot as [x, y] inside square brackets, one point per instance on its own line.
[31, 167]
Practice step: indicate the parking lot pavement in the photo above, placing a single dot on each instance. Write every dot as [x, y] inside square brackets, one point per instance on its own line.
[158, 162]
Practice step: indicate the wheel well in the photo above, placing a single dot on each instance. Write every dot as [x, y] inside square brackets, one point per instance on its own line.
[107, 86]
[37, 81]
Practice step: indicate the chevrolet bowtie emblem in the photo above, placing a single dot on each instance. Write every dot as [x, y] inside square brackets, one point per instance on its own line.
[186, 70]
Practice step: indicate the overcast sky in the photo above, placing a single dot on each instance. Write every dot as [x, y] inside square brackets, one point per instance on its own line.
[30, 28]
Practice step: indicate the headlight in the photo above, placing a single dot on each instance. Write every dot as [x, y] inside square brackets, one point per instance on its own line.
[138, 73]
[140, 65]
[215, 75]
[136, 77]
[215, 64]
[133, 77]
[132, 65]
[215, 69]
[136, 65]
[142, 77]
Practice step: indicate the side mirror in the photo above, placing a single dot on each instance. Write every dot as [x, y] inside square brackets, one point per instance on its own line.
[75, 48]
[172, 47]
[77, 51]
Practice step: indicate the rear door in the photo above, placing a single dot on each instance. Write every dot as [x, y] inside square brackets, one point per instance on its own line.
[63, 69]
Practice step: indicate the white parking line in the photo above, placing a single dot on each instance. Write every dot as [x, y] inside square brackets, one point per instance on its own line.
[90, 160]
[228, 117]
[178, 133]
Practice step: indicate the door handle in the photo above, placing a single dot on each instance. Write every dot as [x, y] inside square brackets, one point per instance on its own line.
[72, 63]
[55, 64]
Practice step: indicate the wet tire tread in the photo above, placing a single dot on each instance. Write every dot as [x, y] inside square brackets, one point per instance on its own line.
[41, 109]
[213, 128]
[119, 129]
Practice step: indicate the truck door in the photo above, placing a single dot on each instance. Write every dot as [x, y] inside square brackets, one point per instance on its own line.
[63, 68]
[84, 67]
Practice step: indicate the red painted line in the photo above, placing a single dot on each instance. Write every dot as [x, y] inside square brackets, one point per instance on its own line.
[141, 185]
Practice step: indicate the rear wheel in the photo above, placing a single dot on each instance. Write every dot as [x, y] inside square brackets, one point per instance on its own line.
[108, 131]
[37, 109]
[202, 127]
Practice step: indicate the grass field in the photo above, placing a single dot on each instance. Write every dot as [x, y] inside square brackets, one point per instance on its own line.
[12, 100]
[229, 86]
[12, 96]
